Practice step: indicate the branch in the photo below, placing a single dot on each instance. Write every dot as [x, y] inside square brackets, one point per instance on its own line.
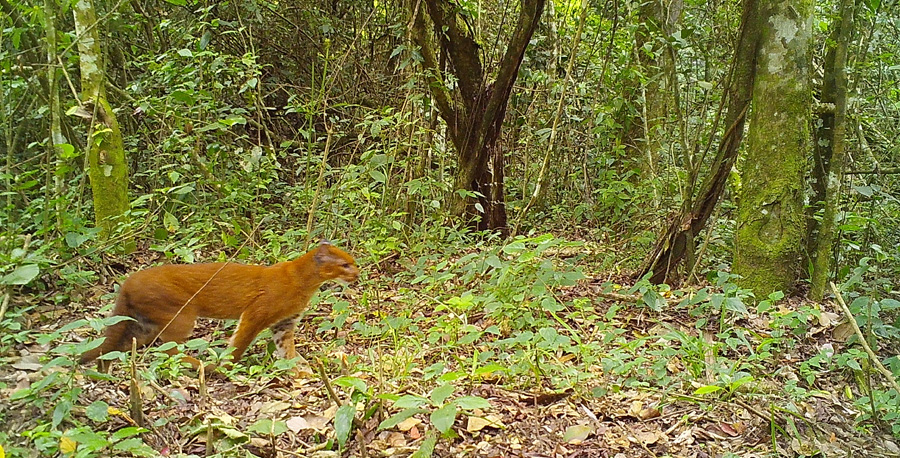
[433, 71]
[862, 340]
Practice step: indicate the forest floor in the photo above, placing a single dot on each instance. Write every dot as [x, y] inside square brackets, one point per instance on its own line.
[618, 384]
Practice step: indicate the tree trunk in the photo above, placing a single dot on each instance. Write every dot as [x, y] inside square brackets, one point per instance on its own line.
[678, 239]
[474, 109]
[830, 152]
[770, 216]
[107, 169]
[55, 153]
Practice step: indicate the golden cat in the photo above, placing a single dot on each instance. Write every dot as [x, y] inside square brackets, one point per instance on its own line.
[165, 301]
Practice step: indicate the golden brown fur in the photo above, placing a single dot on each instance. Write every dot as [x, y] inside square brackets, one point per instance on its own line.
[165, 301]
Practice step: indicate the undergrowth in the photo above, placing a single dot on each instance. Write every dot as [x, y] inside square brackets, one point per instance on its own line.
[424, 328]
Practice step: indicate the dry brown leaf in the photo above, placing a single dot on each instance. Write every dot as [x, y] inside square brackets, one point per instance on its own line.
[297, 424]
[828, 318]
[408, 424]
[635, 408]
[647, 437]
[842, 332]
[396, 439]
[476, 423]
[577, 434]
[686, 437]
[649, 413]
[674, 365]
[414, 433]
[259, 442]
[270, 407]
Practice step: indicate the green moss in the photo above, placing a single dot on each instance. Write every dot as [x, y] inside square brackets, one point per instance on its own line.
[771, 221]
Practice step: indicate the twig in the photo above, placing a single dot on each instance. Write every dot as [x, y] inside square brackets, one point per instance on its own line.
[862, 340]
[136, 403]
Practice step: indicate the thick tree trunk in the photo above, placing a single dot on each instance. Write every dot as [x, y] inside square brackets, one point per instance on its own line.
[678, 240]
[770, 216]
[107, 169]
[830, 152]
[474, 109]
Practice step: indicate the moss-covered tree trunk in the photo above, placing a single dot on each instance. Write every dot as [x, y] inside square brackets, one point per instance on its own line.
[107, 169]
[770, 217]
[830, 151]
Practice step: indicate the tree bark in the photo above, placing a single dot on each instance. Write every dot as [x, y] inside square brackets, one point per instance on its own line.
[831, 152]
[770, 216]
[474, 109]
[107, 168]
[678, 239]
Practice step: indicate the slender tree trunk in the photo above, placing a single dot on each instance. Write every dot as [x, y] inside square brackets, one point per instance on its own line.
[56, 135]
[107, 169]
[770, 216]
[832, 160]
[678, 239]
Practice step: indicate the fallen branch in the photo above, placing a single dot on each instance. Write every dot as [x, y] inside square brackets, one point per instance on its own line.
[862, 340]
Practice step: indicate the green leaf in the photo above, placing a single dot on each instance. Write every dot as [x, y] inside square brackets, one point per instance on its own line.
[441, 393]
[21, 276]
[514, 247]
[268, 427]
[472, 402]
[343, 423]
[489, 369]
[377, 176]
[61, 411]
[66, 151]
[549, 304]
[427, 448]
[98, 411]
[127, 432]
[352, 382]
[735, 304]
[408, 400]
[395, 419]
[183, 97]
[443, 418]
[708, 389]
[185, 53]
[577, 434]
[204, 40]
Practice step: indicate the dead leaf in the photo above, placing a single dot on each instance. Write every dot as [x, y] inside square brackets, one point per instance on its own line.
[635, 408]
[314, 422]
[408, 424]
[26, 365]
[828, 318]
[396, 439]
[270, 407]
[647, 437]
[414, 433]
[67, 445]
[577, 434]
[649, 413]
[842, 332]
[475, 423]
